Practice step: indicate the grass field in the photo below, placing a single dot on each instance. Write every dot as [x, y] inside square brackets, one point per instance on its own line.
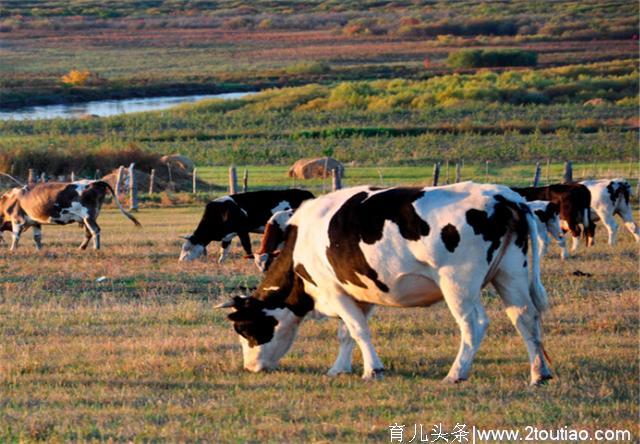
[142, 355]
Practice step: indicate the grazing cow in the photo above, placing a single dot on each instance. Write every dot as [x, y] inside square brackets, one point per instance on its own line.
[350, 250]
[57, 203]
[608, 198]
[272, 240]
[547, 215]
[575, 206]
[238, 215]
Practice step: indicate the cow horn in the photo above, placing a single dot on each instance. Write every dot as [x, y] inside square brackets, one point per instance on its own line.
[226, 304]
[13, 178]
[183, 237]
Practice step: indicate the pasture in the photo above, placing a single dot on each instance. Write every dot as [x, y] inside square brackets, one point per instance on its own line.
[143, 356]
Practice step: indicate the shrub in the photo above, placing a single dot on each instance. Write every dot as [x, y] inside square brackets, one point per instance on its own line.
[76, 78]
[478, 58]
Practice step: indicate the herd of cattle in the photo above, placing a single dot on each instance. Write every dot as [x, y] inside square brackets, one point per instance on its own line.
[343, 253]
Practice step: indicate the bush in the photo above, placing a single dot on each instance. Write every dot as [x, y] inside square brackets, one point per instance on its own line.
[478, 58]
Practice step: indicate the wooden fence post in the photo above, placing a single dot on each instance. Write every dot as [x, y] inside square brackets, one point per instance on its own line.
[43, 177]
[32, 177]
[457, 172]
[536, 175]
[548, 170]
[245, 181]
[447, 173]
[97, 174]
[133, 189]
[486, 171]
[152, 178]
[73, 176]
[194, 180]
[436, 173]
[568, 171]
[233, 180]
[119, 181]
[380, 176]
[336, 179]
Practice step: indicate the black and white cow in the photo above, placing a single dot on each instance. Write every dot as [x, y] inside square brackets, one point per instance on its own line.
[350, 250]
[238, 215]
[610, 197]
[57, 203]
[547, 216]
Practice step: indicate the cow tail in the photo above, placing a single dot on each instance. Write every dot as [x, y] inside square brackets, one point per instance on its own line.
[122, 210]
[536, 289]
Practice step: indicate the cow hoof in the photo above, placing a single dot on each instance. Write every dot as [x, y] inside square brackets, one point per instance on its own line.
[338, 371]
[541, 380]
[375, 374]
[453, 380]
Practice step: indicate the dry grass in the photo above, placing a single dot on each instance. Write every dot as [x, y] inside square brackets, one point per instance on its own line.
[142, 355]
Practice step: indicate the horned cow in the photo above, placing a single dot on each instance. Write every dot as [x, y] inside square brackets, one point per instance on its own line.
[356, 248]
[57, 203]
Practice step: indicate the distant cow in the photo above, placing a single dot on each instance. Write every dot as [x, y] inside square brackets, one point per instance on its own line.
[272, 240]
[575, 206]
[608, 198]
[350, 250]
[238, 215]
[57, 203]
[547, 215]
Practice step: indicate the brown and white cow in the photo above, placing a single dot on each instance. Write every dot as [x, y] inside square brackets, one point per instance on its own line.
[56, 203]
[611, 197]
[356, 248]
[272, 240]
[574, 200]
[238, 215]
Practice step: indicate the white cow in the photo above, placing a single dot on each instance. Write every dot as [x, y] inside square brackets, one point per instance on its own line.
[350, 250]
[547, 215]
[608, 198]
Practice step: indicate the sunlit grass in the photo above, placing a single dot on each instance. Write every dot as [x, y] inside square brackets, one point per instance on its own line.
[142, 354]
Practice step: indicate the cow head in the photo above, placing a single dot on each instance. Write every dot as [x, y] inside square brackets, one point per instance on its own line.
[266, 334]
[191, 250]
[268, 320]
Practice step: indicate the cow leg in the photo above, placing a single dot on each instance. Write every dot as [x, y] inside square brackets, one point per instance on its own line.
[609, 223]
[629, 223]
[245, 240]
[543, 239]
[355, 322]
[37, 236]
[16, 231]
[342, 363]
[87, 237]
[464, 303]
[513, 286]
[91, 225]
[224, 251]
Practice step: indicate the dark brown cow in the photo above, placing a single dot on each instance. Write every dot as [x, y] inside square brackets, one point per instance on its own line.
[574, 200]
[56, 203]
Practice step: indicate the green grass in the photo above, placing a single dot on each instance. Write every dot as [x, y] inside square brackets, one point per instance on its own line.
[144, 356]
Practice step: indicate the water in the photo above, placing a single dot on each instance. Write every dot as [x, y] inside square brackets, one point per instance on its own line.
[104, 108]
